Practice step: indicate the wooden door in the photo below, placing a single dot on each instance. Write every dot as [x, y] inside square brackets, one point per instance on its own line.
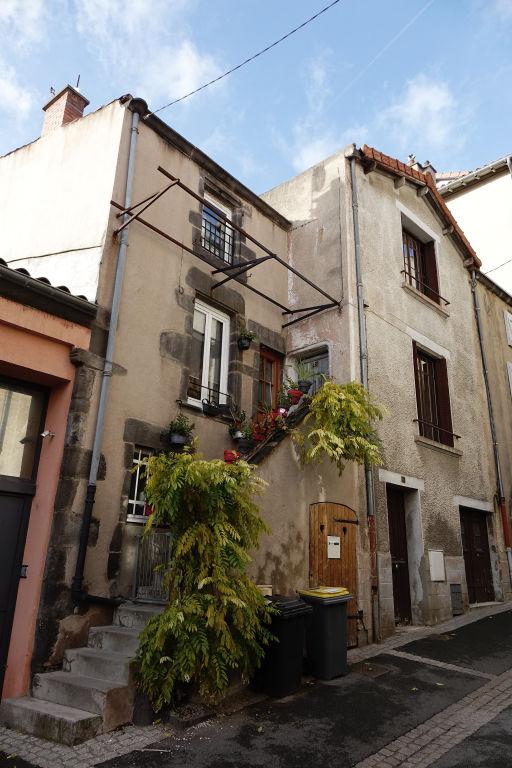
[328, 519]
[399, 556]
[475, 545]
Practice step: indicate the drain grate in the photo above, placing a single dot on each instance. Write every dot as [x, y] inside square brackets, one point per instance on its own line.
[369, 669]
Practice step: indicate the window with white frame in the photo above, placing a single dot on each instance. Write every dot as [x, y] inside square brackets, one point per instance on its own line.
[210, 355]
[508, 326]
[217, 235]
[138, 509]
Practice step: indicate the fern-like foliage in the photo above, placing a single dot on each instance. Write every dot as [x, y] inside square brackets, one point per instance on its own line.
[339, 426]
[216, 620]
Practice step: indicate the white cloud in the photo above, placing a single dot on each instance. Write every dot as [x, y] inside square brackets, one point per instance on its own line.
[22, 23]
[501, 8]
[314, 135]
[148, 43]
[15, 99]
[427, 114]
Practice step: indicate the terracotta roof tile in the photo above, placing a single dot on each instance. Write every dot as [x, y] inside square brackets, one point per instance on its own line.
[396, 166]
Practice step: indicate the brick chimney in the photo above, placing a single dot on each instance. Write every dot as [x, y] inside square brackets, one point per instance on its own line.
[65, 107]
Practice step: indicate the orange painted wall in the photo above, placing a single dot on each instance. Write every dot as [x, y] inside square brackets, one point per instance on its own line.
[35, 346]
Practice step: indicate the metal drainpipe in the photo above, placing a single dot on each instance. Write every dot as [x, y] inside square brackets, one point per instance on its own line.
[499, 479]
[139, 108]
[363, 360]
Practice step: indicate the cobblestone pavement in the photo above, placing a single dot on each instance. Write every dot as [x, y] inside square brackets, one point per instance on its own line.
[421, 746]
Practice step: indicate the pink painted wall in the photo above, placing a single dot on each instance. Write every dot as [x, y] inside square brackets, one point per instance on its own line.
[35, 346]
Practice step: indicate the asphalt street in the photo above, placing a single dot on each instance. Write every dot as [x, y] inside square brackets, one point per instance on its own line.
[448, 695]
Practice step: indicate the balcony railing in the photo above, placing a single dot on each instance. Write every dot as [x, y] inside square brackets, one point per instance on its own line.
[425, 289]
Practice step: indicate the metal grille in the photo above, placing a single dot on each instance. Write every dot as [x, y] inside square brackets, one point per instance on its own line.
[216, 235]
[153, 550]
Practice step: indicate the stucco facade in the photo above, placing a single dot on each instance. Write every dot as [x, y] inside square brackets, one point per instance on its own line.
[35, 348]
[437, 480]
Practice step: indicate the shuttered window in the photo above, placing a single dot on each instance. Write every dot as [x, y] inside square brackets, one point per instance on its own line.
[420, 268]
[432, 397]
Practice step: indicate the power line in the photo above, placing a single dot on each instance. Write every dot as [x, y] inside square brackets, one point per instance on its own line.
[247, 61]
[498, 267]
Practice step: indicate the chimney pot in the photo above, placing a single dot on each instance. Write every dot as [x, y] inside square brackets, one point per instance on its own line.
[63, 108]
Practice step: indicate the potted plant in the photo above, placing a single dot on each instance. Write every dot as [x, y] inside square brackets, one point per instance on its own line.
[294, 395]
[304, 376]
[247, 441]
[235, 429]
[210, 408]
[245, 338]
[179, 431]
[231, 456]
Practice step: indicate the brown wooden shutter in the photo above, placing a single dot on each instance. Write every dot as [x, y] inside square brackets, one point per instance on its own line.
[417, 383]
[432, 287]
[443, 402]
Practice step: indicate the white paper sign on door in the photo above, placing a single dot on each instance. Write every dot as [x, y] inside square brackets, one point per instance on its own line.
[333, 547]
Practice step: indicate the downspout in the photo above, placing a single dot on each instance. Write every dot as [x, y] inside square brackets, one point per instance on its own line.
[499, 478]
[139, 108]
[363, 361]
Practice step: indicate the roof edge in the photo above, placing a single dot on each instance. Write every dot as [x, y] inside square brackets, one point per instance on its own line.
[194, 153]
[485, 173]
[494, 288]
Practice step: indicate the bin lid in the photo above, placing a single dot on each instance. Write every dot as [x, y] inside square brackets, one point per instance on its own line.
[325, 593]
[289, 605]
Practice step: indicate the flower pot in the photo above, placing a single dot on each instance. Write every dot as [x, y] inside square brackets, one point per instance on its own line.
[210, 409]
[294, 395]
[304, 386]
[224, 409]
[176, 439]
[238, 435]
[246, 444]
[244, 344]
[230, 456]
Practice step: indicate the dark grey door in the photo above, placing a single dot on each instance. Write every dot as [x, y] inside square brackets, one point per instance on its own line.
[22, 414]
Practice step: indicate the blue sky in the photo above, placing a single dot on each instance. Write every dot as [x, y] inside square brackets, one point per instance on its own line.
[425, 76]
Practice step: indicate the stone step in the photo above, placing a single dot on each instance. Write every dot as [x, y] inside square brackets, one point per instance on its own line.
[114, 638]
[48, 720]
[135, 615]
[93, 662]
[114, 701]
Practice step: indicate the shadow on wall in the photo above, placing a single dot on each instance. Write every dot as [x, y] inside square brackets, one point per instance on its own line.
[284, 569]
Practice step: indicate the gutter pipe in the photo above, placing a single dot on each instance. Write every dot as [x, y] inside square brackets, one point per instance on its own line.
[139, 108]
[499, 478]
[363, 362]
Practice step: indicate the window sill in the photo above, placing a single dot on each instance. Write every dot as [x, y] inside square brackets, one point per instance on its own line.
[437, 446]
[425, 299]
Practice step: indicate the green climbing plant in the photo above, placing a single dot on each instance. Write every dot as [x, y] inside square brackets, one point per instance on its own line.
[340, 426]
[216, 620]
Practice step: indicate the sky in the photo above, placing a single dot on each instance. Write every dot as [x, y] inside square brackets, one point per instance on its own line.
[429, 77]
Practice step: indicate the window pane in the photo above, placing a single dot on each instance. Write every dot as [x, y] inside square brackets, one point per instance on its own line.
[197, 355]
[215, 359]
[20, 421]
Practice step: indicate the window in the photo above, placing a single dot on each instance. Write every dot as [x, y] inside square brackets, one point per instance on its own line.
[22, 415]
[138, 510]
[210, 354]
[269, 380]
[508, 327]
[318, 364]
[216, 232]
[420, 268]
[432, 397]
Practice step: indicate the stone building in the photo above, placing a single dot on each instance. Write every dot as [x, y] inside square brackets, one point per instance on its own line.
[436, 491]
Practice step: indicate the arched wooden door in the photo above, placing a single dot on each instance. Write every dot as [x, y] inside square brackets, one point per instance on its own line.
[333, 554]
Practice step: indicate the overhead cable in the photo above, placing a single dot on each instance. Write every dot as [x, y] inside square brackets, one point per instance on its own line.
[247, 61]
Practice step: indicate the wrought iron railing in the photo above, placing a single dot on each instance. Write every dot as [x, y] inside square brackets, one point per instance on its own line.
[217, 236]
[153, 555]
[423, 287]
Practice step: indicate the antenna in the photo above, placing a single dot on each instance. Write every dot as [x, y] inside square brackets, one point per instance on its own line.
[77, 82]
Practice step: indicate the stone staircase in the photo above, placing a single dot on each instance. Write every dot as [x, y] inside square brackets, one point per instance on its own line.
[94, 692]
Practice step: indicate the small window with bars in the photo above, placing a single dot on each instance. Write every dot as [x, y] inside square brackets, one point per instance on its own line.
[217, 234]
[138, 509]
[420, 268]
[432, 397]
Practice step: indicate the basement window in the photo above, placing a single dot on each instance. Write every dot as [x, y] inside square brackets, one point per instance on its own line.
[217, 235]
[138, 509]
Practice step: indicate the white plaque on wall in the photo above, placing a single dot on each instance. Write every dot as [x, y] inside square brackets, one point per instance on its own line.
[436, 561]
